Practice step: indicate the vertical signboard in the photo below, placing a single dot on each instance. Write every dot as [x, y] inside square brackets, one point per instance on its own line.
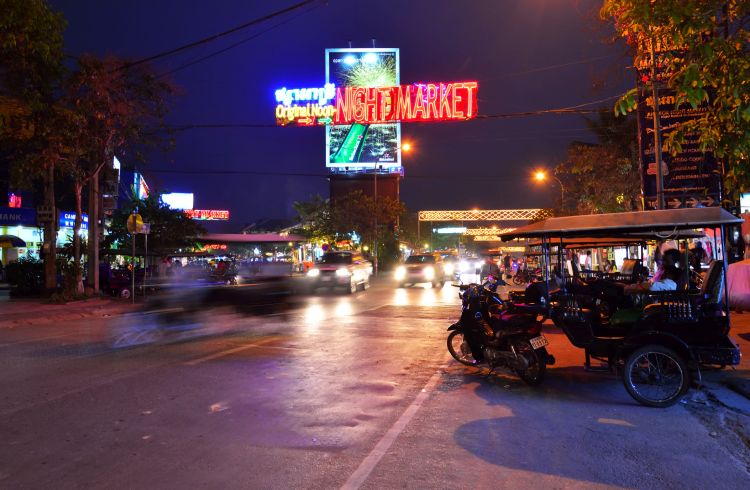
[692, 177]
[361, 146]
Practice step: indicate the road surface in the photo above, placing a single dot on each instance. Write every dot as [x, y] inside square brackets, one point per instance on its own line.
[345, 392]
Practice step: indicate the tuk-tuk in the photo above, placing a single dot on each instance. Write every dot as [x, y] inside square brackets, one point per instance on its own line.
[659, 341]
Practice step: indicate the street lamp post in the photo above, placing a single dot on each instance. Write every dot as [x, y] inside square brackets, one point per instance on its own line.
[541, 176]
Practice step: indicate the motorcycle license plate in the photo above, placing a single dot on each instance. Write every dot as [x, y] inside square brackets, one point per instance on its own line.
[539, 342]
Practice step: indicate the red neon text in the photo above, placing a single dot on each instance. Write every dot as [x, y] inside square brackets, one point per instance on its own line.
[207, 214]
[406, 103]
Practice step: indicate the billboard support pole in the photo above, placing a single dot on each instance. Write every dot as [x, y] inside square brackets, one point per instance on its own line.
[375, 230]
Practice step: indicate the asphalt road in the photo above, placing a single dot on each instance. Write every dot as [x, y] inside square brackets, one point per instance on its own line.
[345, 392]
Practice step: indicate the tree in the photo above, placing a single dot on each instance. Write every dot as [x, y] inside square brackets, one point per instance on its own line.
[119, 110]
[603, 177]
[171, 229]
[708, 60]
[356, 212]
[315, 219]
[31, 54]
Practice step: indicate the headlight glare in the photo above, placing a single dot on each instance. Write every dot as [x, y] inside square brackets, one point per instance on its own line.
[343, 272]
[400, 273]
[313, 273]
[429, 273]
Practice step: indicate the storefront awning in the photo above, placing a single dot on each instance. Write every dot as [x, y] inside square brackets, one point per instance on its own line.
[11, 241]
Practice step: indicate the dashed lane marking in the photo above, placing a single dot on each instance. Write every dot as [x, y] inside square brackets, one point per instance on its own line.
[381, 448]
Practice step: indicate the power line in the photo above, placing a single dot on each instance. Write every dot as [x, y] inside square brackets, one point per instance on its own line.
[238, 43]
[471, 177]
[577, 109]
[214, 37]
[550, 67]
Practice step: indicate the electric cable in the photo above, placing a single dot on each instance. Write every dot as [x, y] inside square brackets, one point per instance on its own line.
[219, 35]
[234, 45]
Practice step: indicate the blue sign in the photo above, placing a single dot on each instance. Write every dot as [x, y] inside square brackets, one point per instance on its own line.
[68, 220]
[17, 216]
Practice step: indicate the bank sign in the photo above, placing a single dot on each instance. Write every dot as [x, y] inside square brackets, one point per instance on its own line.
[17, 216]
[67, 219]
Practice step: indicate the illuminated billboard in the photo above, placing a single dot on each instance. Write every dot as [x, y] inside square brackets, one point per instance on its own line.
[363, 145]
[207, 214]
[140, 186]
[178, 200]
[420, 102]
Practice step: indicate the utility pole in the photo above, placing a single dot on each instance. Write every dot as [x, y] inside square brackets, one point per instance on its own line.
[93, 252]
[657, 132]
[50, 233]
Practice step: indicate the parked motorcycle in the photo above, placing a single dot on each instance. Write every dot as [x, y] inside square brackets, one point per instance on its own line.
[499, 334]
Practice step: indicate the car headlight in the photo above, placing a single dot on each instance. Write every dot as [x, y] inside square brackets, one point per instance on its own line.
[400, 273]
[343, 272]
[449, 269]
[479, 264]
[463, 266]
[429, 273]
[313, 273]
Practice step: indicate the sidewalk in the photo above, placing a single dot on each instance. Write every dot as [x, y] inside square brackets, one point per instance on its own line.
[737, 379]
[26, 312]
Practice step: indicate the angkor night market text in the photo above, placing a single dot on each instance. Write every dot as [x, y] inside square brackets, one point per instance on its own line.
[406, 103]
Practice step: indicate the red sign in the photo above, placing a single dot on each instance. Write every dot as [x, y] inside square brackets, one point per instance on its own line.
[406, 103]
[213, 246]
[14, 201]
[207, 214]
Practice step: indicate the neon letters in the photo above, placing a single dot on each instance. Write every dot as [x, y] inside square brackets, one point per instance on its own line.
[406, 103]
[421, 102]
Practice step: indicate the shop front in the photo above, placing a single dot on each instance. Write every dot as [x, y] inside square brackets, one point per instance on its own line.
[19, 234]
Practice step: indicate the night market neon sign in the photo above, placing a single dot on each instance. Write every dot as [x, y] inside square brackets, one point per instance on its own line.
[421, 102]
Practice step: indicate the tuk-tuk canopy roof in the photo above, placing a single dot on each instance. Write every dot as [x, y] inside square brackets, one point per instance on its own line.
[633, 222]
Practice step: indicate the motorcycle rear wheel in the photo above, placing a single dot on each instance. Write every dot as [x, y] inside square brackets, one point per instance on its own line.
[537, 369]
[459, 348]
[517, 280]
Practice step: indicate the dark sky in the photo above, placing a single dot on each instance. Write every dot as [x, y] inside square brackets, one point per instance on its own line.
[513, 48]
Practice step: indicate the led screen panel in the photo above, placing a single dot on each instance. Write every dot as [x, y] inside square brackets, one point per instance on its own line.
[361, 146]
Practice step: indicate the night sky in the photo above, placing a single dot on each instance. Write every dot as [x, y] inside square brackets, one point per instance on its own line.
[513, 48]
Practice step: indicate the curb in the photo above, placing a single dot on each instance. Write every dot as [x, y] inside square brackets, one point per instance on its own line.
[26, 319]
[739, 386]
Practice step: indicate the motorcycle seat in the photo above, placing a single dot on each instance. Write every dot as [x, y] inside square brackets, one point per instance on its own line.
[510, 322]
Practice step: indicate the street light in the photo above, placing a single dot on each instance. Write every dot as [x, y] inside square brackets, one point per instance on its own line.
[541, 176]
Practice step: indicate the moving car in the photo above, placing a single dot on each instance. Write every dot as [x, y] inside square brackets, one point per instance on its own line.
[342, 269]
[421, 268]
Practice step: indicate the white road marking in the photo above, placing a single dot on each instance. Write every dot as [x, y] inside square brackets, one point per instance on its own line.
[381, 448]
[39, 339]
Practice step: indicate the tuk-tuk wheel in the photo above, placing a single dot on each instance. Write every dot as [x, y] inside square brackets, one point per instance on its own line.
[125, 293]
[656, 376]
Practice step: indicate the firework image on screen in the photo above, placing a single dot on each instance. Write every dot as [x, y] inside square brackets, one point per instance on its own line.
[363, 145]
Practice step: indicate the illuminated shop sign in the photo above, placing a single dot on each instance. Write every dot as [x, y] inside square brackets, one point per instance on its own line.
[212, 247]
[406, 103]
[207, 214]
[421, 102]
[305, 106]
[67, 219]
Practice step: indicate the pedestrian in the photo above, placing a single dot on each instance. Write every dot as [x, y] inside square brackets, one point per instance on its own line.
[587, 261]
[506, 265]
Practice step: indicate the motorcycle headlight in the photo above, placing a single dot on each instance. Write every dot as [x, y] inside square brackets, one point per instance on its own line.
[479, 264]
[449, 269]
[429, 273]
[400, 273]
[343, 272]
[313, 273]
[463, 266]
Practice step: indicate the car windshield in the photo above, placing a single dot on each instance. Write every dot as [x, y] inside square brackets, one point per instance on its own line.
[336, 258]
[421, 259]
